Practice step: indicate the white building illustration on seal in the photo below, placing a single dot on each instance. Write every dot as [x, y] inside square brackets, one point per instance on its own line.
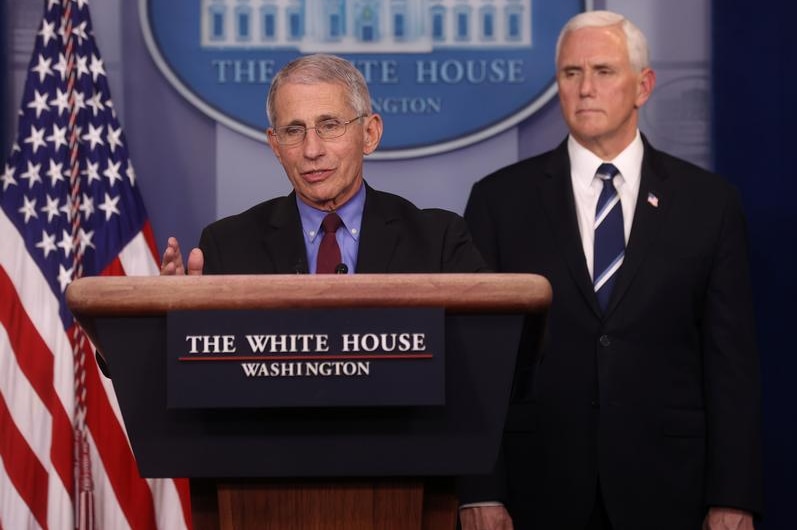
[365, 26]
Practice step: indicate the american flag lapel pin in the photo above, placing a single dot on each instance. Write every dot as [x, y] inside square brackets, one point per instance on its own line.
[653, 200]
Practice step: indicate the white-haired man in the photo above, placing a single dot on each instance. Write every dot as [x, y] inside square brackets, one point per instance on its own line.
[642, 410]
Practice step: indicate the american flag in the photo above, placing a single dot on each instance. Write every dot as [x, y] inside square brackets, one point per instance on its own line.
[70, 208]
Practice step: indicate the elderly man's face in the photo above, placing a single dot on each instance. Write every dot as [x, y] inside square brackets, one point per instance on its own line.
[599, 91]
[324, 173]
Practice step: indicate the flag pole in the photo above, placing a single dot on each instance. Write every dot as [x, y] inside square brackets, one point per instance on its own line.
[84, 486]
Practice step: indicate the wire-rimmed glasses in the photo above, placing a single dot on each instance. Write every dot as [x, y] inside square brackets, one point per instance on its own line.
[325, 129]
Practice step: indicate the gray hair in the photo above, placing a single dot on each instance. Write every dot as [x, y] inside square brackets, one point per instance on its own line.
[322, 68]
[637, 44]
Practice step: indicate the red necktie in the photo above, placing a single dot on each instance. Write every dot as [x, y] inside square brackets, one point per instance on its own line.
[329, 251]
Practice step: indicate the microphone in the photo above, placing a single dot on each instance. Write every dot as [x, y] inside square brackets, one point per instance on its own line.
[341, 268]
[300, 267]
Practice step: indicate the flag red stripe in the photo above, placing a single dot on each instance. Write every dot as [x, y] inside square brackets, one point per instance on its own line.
[24, 469]
[37, 361]
[114, 268]
[132, 492]
[184, 492]
[37, 365]
[149, 236]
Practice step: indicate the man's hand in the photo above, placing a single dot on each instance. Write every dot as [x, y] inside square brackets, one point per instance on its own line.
[172, 264]
[728, 519]
[485, 518]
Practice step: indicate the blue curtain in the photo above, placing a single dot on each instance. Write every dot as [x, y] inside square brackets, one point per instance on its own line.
[754, 116]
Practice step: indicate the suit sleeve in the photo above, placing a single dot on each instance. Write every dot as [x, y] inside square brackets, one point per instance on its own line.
[493, 486]
[480, 223]
[210, 251]
[459, 251]
[732, 373]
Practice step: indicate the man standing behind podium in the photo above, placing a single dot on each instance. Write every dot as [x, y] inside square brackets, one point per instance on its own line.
[322, 126]
[642, 410]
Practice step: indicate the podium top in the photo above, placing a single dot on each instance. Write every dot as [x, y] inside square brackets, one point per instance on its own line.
[461, 293]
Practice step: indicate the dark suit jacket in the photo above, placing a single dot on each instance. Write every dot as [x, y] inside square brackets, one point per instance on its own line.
[659, 397]
[396, 237]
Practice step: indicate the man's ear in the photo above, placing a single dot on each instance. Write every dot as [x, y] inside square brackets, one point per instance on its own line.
[647, 81]
[272, 142]
[372, 133]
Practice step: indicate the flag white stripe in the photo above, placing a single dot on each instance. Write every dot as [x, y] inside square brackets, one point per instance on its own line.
[30, 415]
[35, 424]
[13, 510]
[131, 258]
[60, 511]
[107, 385]
[166, 498]
[41, 307]
[106, 514]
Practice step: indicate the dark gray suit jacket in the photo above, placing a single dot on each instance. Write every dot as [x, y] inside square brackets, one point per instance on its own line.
[659, 397]
[396, 237]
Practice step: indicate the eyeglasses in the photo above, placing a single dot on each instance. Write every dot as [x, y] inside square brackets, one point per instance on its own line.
[325, 129]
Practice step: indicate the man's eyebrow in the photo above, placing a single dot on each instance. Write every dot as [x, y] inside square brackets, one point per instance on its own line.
[592, 66]
[293, 122]
[317, 119]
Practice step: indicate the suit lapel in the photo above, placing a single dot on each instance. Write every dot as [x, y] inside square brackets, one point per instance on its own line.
[379, 236]
[282, 242]
[655, 197]
[560, 208]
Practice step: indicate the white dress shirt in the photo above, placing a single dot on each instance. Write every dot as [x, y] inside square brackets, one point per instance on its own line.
[587, 188]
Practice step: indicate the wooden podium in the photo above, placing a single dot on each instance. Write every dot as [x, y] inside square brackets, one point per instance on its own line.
[352, 468]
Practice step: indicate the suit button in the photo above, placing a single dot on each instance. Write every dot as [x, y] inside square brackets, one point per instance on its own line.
[595, 404]
[605, 341]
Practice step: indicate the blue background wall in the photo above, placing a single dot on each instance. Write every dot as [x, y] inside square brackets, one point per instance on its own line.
[755, 54]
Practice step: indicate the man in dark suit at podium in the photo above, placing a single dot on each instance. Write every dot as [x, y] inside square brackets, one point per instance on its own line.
[642, 410]
[322, 126]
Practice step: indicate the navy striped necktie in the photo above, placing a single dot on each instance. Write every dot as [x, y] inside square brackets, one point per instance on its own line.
[609, 236]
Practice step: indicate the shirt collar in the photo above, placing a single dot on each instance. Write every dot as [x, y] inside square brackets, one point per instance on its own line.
[350, 213]
[584, 163]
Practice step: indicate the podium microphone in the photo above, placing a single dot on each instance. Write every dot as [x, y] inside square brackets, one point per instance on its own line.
[341, 268]
[300, 267]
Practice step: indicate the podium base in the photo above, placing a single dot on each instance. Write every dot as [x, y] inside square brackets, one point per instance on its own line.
[356, 504]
